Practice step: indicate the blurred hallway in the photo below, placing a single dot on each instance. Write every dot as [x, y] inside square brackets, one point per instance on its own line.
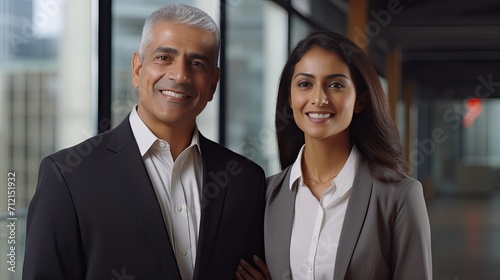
[465, 237]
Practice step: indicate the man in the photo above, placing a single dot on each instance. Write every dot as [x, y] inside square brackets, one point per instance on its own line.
[152, 198]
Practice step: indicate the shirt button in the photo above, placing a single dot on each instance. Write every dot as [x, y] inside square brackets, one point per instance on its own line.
[310, 267]
[314, 237]
[162, 144]
[179, 208]
[183, 253]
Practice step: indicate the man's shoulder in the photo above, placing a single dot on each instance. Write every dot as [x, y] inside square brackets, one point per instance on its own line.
[99, 142]
[87, 146]
[93, 149]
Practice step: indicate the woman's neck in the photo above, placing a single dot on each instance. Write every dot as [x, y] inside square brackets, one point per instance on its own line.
[323, 157]
[322, 161]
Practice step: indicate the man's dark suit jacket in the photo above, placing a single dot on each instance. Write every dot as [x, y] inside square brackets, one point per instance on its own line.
[95, 214]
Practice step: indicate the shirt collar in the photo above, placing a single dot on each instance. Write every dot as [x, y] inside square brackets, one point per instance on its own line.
[296, 172]
[145, 137]
[343, 181]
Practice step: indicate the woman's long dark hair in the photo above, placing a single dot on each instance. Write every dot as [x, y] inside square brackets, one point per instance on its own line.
[372, 130]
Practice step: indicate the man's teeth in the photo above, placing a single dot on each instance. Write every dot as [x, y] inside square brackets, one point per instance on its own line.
[319, 116]
[174, 94]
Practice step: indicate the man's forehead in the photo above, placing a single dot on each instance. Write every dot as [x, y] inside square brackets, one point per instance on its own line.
[184, 31]
[182, 34]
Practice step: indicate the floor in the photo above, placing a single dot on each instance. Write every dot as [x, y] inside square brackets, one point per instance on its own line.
[465, 237]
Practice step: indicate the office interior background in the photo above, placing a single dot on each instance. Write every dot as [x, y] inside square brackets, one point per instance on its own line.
[65, 76]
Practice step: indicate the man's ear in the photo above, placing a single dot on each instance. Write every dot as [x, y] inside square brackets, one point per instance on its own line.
[215, 81]
[136, 69]
[360, 103]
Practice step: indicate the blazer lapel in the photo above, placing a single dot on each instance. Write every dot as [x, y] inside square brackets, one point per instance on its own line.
[354, 219]
[130, 172]
[279, 216]
[212, 202]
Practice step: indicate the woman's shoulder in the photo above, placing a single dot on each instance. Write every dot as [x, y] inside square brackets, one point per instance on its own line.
[388, 177]
[276, 181]
[388, 182]
[277, 178]
[398, 192]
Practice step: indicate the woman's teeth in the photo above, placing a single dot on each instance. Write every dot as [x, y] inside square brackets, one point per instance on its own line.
[319, 116]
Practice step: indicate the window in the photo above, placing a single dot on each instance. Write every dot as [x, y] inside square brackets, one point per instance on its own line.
[45, 97]
[257, 36]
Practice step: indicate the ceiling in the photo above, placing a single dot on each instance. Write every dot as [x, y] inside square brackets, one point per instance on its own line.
[450, 48]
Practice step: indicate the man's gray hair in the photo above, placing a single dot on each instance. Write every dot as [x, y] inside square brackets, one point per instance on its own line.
[178, 13]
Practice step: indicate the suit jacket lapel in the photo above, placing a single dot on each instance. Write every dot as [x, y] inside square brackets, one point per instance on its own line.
[212, 202]
[354, 219]
[279, 216]
[130, 172]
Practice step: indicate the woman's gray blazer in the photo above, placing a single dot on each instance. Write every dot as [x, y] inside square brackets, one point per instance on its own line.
[385, 235]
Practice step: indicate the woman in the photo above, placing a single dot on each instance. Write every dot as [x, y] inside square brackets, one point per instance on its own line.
[343, 206]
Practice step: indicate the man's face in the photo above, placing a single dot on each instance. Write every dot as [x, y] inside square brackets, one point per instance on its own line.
[177, 76]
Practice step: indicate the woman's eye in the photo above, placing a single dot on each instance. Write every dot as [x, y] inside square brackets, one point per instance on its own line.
[336, 85]
[304, 84]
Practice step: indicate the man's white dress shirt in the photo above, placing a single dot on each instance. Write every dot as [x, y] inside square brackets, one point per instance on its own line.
[178, 186]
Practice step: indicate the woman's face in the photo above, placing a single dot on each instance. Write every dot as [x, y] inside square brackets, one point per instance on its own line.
[323, 95]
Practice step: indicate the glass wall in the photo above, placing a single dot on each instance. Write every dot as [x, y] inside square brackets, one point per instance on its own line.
[325, 15]
[257, 35]
[298, 30]
[45, 103]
